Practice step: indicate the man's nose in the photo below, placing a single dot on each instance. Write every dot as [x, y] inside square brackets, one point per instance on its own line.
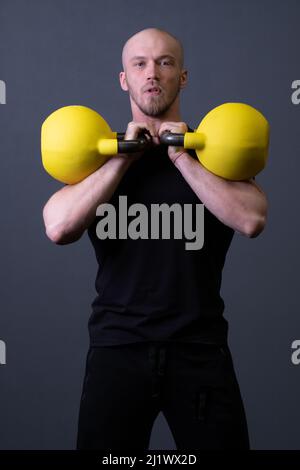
[152, 71]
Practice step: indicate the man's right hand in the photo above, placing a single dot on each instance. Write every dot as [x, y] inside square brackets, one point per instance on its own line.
[133, 131]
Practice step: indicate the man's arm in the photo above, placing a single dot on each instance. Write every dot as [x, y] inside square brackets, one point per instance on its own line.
[242, 205]
[70, 211]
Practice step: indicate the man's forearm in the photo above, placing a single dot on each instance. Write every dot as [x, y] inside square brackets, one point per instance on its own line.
[72, 209]
[239, 204]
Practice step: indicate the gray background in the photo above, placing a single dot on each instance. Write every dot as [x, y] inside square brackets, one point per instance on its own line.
[60, 52]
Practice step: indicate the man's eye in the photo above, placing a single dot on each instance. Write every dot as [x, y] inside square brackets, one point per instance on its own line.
[139, 64]
[166, 62]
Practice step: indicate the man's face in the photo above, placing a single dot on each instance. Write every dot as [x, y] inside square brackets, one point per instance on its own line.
[152, 72]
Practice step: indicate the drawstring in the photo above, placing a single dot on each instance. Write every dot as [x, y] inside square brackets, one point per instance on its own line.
[161, 363]
[157, 369]
[201, 405]
[161, 359]
[152, 358]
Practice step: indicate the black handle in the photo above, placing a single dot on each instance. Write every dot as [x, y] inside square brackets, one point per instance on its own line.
[168, 138]
[140, 144]
[131, 146]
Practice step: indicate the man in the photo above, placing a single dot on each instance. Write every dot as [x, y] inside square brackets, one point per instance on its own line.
[158, 338]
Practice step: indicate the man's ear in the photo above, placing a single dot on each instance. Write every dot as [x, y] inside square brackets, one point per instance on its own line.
[123, 81]
[183, 78]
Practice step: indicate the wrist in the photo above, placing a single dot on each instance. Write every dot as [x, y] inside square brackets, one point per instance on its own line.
[180, 159]
[119, 162]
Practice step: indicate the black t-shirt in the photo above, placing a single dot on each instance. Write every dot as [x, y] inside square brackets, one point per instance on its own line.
[156, 289]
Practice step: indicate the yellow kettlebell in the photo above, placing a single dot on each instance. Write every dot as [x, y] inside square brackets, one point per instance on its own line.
[231, 141]
[76, 141]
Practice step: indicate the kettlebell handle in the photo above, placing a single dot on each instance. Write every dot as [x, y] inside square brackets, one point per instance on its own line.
[173, 139]
[119, 145]
[131, 146]
[167, 138]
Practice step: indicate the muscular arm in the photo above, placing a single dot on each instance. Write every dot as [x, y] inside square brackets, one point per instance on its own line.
[72, 209]
[241, 205]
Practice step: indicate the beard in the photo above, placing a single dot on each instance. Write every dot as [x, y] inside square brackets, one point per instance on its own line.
[155, 106]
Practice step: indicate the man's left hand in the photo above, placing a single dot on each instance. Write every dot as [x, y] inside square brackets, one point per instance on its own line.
[176, 128]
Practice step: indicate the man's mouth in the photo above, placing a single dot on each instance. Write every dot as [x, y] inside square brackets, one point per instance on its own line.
[153, 91]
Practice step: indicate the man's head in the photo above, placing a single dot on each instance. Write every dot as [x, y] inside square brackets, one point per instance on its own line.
[153, 72]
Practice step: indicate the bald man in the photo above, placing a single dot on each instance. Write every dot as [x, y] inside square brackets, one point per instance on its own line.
[158, 337]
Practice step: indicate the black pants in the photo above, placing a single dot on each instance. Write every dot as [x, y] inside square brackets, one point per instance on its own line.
[194, 385]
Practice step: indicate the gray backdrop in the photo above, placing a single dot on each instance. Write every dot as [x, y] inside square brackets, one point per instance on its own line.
[59, 52]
